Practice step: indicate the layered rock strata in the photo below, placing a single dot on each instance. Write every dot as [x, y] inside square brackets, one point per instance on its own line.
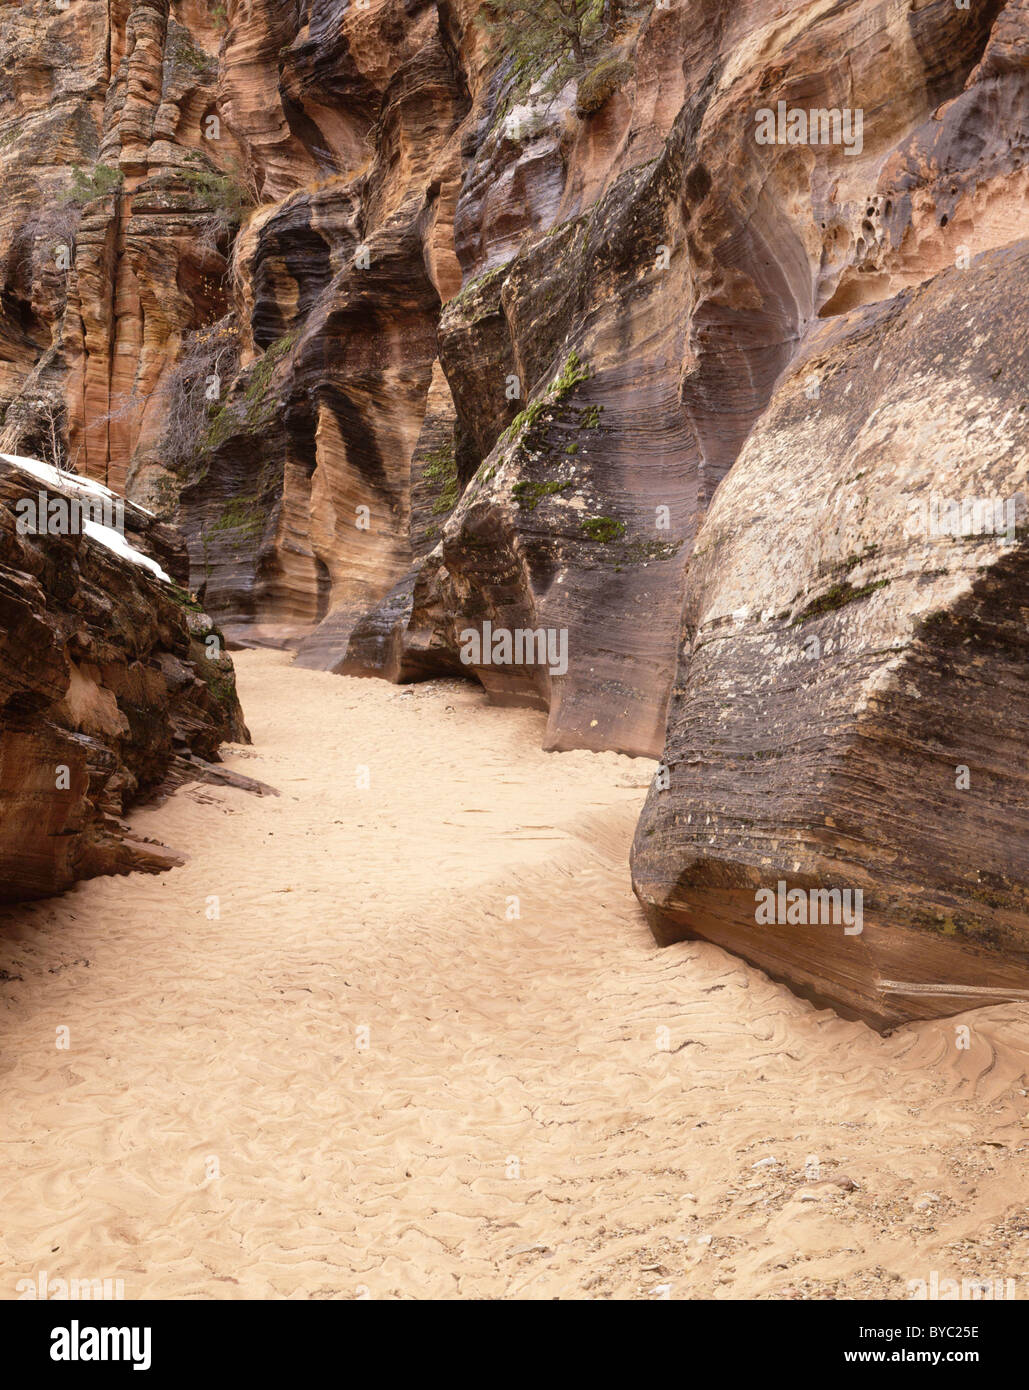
[851, 708]
[110, 679]
[350, 402]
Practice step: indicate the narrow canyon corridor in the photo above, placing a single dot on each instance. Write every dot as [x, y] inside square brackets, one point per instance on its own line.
[413, 1039]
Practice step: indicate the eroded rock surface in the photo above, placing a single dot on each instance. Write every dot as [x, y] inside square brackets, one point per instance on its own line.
[852, 703]
[109, 682]
[431, 234]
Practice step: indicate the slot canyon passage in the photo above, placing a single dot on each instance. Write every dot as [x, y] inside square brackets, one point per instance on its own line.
[514, 694]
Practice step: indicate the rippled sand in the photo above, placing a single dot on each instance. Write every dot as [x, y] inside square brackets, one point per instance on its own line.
[368, 1078]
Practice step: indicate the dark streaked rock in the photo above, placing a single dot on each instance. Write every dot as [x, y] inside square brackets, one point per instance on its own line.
[105, 686]
[841, 670]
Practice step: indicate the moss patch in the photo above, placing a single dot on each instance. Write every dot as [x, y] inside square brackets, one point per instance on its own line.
[242, 514]
[439, 470]
[638, 552]
[185, 599]
[530, 495]
[837, 597]
[478, 286]
[255, 408]
[604, 529]
[599, 85]
[258, 406]
[571, 374]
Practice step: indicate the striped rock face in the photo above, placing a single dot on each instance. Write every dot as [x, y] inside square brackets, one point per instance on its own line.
[321, 267]
[851, 708]
[112, 682]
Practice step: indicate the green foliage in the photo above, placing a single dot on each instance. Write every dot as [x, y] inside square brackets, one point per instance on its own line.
[224, 195]
[185, 599]
[100, 183]
[600, 84]
[542, 31]
[604, 529]
[185, 51]
[255, 407]
[837, 597]
[572, 373]
[221, 683]
[476, 287]
[259, 407]
[523, 420]
[439, 468]
[530, 495]
[245, 517]
[640, 552]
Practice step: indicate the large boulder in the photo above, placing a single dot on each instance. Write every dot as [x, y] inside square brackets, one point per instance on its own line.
[851, 708]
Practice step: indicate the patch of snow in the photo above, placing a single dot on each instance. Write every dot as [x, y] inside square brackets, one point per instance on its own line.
[103, 535]
[114, 540]
[56, 477]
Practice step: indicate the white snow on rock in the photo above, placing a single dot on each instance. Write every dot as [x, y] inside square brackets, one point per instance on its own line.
[114, 540]
[56, 477]
[103, 535]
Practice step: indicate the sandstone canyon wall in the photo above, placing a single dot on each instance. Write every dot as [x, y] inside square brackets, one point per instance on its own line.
[410, 334]
[110, 687]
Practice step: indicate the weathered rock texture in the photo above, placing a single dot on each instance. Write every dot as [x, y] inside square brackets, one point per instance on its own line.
[852, 705]
[350, 465]
[489, 338]
[107, 686]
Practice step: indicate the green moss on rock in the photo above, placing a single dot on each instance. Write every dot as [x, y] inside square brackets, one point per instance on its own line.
[600, 84]
[242, 514]
[530, 495]
[572, 373]
[439, 469]
[477, 287]
[837, 597]
[604, 529]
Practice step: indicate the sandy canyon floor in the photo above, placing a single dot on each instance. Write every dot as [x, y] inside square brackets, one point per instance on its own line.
[367, 1077]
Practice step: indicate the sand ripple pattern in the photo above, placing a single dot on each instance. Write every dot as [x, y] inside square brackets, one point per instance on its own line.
[364, 1079]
